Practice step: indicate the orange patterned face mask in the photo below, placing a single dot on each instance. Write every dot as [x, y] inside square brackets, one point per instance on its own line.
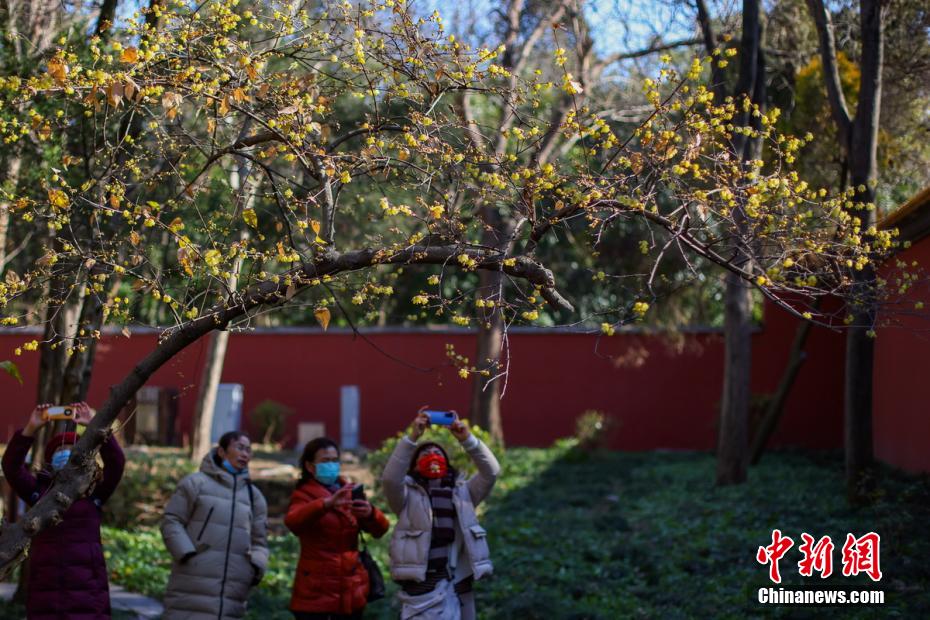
[432, 466]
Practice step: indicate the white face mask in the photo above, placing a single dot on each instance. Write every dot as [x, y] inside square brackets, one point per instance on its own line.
[60, 459]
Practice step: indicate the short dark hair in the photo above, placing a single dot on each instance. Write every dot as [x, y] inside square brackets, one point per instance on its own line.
[231, 436]
[313, 446]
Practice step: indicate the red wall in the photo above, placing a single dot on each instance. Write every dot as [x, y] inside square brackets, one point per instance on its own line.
[902, 375]
[660, 397]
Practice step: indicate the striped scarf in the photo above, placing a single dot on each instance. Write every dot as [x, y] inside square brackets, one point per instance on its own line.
[443, 535]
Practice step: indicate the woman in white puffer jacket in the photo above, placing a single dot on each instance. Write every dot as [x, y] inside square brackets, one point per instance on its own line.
[438, 548]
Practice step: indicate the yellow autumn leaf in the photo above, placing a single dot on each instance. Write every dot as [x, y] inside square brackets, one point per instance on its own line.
[322, 316]
[58, 70]
[130, 55]
[58, 198]
[184, 259]
[250, 218]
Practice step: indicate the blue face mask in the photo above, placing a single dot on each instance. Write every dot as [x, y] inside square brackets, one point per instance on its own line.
[327, 473]
[229, 467]
[60, 459]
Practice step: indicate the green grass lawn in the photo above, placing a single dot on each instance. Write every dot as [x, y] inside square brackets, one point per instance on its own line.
[629, 535]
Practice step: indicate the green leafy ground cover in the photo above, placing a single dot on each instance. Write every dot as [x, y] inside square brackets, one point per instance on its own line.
[639, 535]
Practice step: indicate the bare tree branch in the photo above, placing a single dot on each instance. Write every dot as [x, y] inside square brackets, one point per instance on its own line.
[835, 95]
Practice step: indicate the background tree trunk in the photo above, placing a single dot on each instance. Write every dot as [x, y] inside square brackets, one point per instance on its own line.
[485, 401]
[206, 398]
[776, 406]
[733, 431]
[216, 348]
[859, 138]
[11, 179]
[733, 426]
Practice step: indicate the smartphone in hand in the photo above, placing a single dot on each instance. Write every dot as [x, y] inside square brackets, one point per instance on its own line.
[59, 412]
[358, 492]
[441, 418]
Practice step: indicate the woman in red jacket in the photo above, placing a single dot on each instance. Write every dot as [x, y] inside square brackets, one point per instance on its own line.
[331, 582]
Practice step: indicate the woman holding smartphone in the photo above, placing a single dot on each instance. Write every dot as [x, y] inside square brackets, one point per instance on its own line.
[327, 514]
[438, 548]
[67, 569]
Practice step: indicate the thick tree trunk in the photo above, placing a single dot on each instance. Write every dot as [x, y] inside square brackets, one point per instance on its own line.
[80, 365]
[206, 399]
[216, 351]
[859, 139]
[733, 431]
[485, 401]
[863, 169]
[105, 18]
[860, 350]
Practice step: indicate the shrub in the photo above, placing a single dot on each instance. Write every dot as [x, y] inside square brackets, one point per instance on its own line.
[148, 482]
[377, 459]
[268, 419]
[593, 430]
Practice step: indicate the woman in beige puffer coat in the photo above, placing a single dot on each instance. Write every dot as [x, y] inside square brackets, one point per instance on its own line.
[215, 529]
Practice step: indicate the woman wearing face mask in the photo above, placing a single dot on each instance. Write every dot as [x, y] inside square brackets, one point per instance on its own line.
[67, 570]
[215, 529]
[438, 548]
[330, 583]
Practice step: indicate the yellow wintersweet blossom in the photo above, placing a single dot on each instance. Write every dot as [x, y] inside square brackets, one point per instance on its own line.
[640, 308]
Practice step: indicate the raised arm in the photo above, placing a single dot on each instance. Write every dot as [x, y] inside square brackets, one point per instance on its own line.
[15, 470]
[392, 478]
[479, 485]
[14, 465]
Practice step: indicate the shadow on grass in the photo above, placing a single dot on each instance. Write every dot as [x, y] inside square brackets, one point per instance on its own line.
[648, 535]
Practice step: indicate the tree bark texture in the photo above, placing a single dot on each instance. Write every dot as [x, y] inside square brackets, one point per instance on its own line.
[859, 138]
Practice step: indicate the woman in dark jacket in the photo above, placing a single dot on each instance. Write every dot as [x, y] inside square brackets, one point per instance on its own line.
[67, 570]
[331, 582]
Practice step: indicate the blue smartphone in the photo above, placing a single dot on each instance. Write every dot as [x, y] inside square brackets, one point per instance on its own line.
[442, 418]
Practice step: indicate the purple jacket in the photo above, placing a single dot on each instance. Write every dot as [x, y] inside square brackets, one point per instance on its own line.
[67, 571]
